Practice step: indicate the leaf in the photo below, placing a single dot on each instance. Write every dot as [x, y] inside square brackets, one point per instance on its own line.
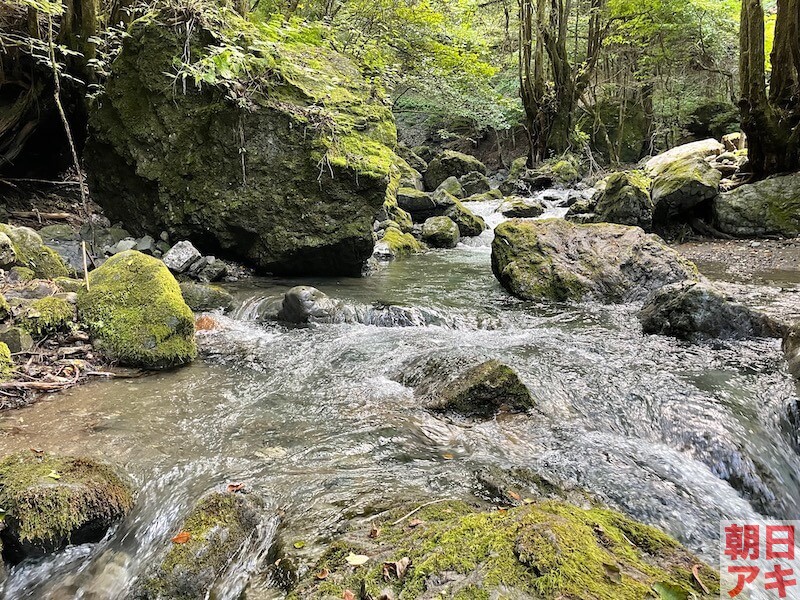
[448, 456]
[299, 544]
[415, 522]
[53, 475]
[182, 537]
[348, 595]
[235, 487]
[513, 495]
[356, 560]
[322, 574]
[37, 450]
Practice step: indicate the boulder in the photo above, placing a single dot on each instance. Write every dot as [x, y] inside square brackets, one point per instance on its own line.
[451, 164]
[494, 194]
[51, 501]
[481, 391]
[515, 207]
[47, 316]
[692, 309]
[469, 224]
[202, 297]
[27, 250]
[440, 232]
[396, 244]
[791, 349]
[475, 183]
[768, 207]
[136, 314]
[180, 257]
[681, 186]
[412, 158]
[16, 338]
[701, 149]
[557, 260]
[451, 186]
[217, 531]
[415, 203]
[59, 233]
[625, 199]
[282, 164]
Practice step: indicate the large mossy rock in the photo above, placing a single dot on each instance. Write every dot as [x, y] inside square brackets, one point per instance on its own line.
[51, 501]
[136, 314]
[681, 186]
[557, 260]
[218, 528]
[440, 232]
[282, 158]
[691, 309]
[625, 199]
[547, 551]
[23, 247]
[701, 149]
[451, 164]
[768, 207]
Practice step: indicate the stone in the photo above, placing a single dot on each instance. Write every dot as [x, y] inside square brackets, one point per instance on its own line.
[451, 164]
[494, 194]
[768, 207]
[268, 184]
[31, 252]
[552, 259]
[440, 232]
[214, 269]
[202, 297]
[6, 369]
[302, 304]
[451, 186]
[700, 149]
[691, 309]
[625, 199]
[734, 141]
[146, 245]
[475, 183]
[415, 202]
[680, 187]
[469, 224]
[181, 256]
[8, 257]
[47, 316]
[136, 314]
[59, 233]
[51, 501]
[521, 208]
[398, 244]
[122, 246]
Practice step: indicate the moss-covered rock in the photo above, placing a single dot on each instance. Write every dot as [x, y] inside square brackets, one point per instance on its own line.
[440, 232]
[768, 207]
[515, 207]
[553, 259]
[451, 164]
[700, 149]
[51, 501]
[16, 338]
[681, 186]
[490, 195]
[548, 551]
[31, 253]
[451, 186]
[47, 316]
[203, 297]
[218, 527]
[475, 183]
[284, 153]
[21, 274]
[6, 363]
[67, 284]
[136, 314]
[469, 224]
[625, 199]
[5, 309]
[399, 244]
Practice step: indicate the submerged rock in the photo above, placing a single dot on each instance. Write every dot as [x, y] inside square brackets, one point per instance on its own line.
[692, 309]
[202, 297]
[51, 501]
[290, 183]
[451, 164]
[440, 232]
[218, 527]
[768, 207]
[136, 314]
[546, 550]
[557, 260]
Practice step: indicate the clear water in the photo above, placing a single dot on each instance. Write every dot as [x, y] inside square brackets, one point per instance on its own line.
[313, 419]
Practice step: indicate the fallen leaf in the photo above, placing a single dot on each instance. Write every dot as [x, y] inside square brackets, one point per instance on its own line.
[205, 323]
[696, 574]
[322, 574]
[356, 560]
[348, 595]
[53, 475]
[182, 537]
[235, 487]
[513, 495]
[415, 522]
[37, 450]
[374, 532]
[396, 569]
[448, 456]
[299, 544]
[502, 510]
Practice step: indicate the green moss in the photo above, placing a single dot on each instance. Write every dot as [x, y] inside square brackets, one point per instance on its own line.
[5, 309]
[136, 314]
[50, 500]
[47, 316]
[67, 284]
[401, 244]
[6, 363]
[490, 195]
[23, 273]
[33, 254]
[518, 167]
[549, 550]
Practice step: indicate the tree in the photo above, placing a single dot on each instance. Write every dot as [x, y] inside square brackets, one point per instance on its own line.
[771, 115]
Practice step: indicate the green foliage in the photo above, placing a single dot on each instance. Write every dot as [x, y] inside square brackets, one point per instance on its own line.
[47, 316]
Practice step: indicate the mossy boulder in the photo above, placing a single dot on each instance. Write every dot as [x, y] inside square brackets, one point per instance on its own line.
[201, 297]
[136, 314]
[396, 244]
[29, 252]
[515, 207]
[6, 363]
[67, 284]
[557, 260]
[416, 203]
[768, 207]
[284, 154]
[700, 149]
[680, 187]
[16, 338]
[451, 186]
[47, 316]
[5, 308]
[451, 164]
[625, 199]
[548, 550]
[494, 194]
[218, 527]
[469, 224]
[51, 501]
[440, 232]
[21, 274]
[475, 183]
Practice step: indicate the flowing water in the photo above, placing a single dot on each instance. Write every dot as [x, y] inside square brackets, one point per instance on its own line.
[314, 420]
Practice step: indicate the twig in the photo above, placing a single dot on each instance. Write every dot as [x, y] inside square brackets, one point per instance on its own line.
[416, 510]
[12, 180]
[85, 266]
[35, 214]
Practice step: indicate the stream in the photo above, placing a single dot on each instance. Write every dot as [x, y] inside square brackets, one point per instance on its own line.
[313, 419]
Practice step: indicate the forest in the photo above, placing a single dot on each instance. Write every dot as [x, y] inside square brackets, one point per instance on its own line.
[399, 299]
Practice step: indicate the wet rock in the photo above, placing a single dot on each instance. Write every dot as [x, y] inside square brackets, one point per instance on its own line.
[31, 253]
[219, 529]
[451, 186]
[396, 244]
[469, 224]
[203, 297]
[490, 195]
[515, 207]
[690, 310]
[440, 232]
[303, 304]
[625, 199]
[557, 260]
[181, 256]
[481, 391]
[545, 550]
[475, 183]
[136, 314]
[768, 207]
[701, 149]
[791, 349]
[280, 195]
[51, 501]
[681, 186]
[451, 164]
